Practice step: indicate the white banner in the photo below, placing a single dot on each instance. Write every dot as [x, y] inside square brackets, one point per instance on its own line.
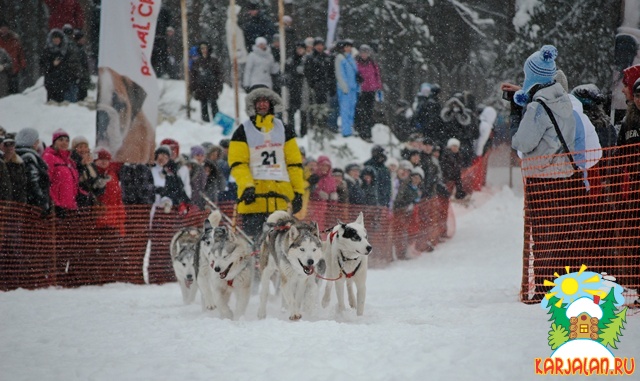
[127, 87]
[332, 21]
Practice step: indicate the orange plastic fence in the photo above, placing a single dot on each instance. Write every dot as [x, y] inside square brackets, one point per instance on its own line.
[38, 252]
[578, 217]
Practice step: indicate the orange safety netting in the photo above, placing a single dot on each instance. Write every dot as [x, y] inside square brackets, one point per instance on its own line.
[589, 217]
[38, 252]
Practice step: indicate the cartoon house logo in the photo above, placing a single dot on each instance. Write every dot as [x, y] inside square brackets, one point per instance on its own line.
[586, 323]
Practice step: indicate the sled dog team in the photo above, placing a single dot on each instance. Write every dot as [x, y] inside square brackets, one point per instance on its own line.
[291, 258]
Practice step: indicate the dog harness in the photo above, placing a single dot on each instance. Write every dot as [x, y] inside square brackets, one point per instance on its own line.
[348, 275]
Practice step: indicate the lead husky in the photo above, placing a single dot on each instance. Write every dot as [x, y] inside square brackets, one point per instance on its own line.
[226, 266]
[346, 253]
[293, 249]
[183, 250]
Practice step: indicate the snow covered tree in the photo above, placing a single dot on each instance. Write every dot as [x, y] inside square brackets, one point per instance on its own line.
[558, 335]
[583, 32]
[610, 335]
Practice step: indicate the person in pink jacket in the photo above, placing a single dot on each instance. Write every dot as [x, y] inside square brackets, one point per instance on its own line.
[325, 191]
[62, 172]
[372, 83]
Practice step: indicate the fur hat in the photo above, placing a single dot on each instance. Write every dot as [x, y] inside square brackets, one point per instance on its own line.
[59, 133]
[8, 138]
[27, 137]
[324, 160]
[588, 94]
[103, 154]
[197, 150]
[364, 48]
[162, 150]
[310, 41]
[77, 141]
[539, 69]
[351, 167]
[453, 142]
[405, 164]
[261, 41]
[262, 92]
[629, 77]
[418, 171]
[337, 171]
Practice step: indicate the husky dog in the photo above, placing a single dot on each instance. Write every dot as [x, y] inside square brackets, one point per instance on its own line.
[293, 249]
[183, 250]
[225, 268]
[346, 253]
[204, 262]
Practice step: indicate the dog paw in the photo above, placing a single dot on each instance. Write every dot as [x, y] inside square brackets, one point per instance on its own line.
[211, 308]
[262, 314]
[295, 317]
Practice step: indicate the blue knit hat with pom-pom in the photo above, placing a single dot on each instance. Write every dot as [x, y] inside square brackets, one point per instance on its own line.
[539, 68]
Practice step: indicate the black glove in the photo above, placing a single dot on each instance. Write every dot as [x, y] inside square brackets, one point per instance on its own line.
[460, 194]
[313, 179]
[296, 204]
[442, 190]
[249, 196]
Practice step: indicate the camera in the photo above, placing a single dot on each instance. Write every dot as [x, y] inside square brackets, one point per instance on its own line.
[508, 95]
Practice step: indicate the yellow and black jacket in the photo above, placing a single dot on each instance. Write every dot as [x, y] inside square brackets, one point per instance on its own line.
[240, 157]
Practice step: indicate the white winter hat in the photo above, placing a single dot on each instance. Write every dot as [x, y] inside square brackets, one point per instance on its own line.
[392, 161]
[453, 142]
[261, 41]
[418, 171]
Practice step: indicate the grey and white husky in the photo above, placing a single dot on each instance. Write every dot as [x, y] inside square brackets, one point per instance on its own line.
[293, 249]
[346, 253]
[183, 249]
[225, 268]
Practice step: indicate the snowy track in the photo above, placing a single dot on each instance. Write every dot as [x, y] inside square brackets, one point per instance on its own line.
[450, 315]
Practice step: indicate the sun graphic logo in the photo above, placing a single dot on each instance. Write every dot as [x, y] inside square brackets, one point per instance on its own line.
[586, 324]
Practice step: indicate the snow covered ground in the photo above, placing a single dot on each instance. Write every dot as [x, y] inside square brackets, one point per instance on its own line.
[452, 314]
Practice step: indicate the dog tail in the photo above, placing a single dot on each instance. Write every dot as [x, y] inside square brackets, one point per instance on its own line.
[214, 218]
[278, 216]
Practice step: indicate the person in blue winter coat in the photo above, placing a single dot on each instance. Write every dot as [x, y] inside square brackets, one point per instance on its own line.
[348, 87]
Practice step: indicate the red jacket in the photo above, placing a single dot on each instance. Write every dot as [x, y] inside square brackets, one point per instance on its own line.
[114, 214]
[65, 12]
[64, 178]
[11, 43]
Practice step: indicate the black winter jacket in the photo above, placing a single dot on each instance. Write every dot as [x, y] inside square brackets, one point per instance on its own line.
[38, 182]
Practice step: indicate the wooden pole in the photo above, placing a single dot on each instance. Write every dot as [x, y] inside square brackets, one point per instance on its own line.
[234, 49]
[185, 54]
[283, 59]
